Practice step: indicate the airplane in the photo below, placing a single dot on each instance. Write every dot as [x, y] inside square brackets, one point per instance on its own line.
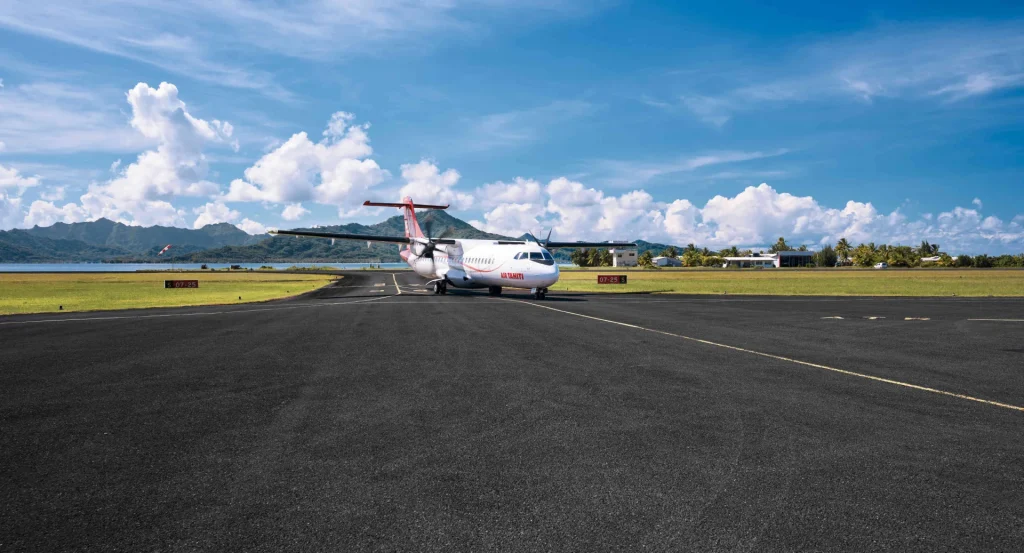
[468, 263]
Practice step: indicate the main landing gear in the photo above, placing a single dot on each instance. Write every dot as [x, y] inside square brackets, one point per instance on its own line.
[539, 293]
[440, 287]
[494, 290]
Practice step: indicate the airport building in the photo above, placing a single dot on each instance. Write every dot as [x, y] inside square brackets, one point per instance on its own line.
[623, 257]
[780, 259]
[662, 261]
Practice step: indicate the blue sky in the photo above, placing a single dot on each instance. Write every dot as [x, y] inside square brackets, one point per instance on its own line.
[724, 124]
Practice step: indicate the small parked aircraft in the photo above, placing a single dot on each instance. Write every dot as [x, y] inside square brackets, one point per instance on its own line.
[469, 263]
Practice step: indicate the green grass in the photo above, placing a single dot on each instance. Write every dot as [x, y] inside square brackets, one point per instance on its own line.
[42, 293]
[803, 282]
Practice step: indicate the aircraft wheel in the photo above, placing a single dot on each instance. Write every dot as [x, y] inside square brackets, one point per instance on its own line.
[437, 287]
[494, 290]
[444, 288]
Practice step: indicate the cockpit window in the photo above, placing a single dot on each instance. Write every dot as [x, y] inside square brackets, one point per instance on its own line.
[538, 257]
[548, 256]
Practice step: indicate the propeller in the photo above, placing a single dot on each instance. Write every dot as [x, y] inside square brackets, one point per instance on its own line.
[432, 241]
[543, 243]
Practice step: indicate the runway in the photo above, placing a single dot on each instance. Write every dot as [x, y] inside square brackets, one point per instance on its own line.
[372, 415]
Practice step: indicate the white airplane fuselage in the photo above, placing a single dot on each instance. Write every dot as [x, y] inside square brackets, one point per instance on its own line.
[485, 263]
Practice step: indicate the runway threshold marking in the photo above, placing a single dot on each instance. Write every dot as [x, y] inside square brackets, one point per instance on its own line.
[782, 358]
[202, 314]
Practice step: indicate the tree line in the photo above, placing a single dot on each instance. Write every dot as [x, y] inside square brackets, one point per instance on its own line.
[842, 254]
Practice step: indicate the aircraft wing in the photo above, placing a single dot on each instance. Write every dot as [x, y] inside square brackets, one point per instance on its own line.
[553, 245]
[341, 236]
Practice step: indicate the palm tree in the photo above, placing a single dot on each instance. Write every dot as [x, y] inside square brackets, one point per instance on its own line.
[843, 249]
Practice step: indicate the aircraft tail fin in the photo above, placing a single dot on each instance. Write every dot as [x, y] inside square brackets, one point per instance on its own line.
[412, 226]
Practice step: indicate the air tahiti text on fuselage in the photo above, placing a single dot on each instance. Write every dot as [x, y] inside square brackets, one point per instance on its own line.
[513, 276]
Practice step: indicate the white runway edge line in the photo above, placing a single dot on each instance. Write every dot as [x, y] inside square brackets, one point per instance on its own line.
[1000, 320]
[781, 358]
[202, 314]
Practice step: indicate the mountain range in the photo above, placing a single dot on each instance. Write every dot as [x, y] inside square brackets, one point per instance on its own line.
[104, 240]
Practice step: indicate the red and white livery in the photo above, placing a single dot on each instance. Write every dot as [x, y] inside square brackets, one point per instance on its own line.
[468, 263]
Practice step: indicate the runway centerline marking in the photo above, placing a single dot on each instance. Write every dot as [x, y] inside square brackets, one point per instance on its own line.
[202, 314]
[781, 358]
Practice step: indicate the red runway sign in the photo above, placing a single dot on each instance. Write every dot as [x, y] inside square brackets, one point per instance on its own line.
[611, 279]
[181, 284]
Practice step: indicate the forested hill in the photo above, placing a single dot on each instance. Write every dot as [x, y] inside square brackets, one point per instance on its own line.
[19, 246]
[105, 240]
[316, 250]
[108, 234]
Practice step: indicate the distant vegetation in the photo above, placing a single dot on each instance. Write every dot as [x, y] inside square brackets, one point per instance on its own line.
[842, 254]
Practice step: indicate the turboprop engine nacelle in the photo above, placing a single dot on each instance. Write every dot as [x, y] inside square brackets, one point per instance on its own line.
[418, 248]
[424, 266]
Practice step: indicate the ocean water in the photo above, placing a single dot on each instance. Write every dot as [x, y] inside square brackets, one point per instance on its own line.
[132, 267]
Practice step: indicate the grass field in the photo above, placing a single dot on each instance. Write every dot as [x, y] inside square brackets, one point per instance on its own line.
[804, 282]
[41, 293]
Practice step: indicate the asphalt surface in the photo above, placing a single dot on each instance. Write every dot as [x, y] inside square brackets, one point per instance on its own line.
[355, 418]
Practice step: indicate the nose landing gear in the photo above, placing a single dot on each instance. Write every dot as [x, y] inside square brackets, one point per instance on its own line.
[539, 293]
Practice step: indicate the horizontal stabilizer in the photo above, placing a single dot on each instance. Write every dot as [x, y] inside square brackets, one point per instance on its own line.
[399, 204]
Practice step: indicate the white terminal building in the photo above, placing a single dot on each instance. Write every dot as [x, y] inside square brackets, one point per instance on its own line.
[623, 257]
[780, 259]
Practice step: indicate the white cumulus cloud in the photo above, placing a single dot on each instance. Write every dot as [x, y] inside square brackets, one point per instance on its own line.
[12, 178]
[519, 191]
[212, 213]
[426, 183]
[46, 213]
[10, 211]
[294, 212]
[54, 194]
[140, 193]
[252, 227]
[756, 216]
[335, 171]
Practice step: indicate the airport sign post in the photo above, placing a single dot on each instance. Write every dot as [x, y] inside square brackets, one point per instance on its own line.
[181, 284]
[611, 279]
